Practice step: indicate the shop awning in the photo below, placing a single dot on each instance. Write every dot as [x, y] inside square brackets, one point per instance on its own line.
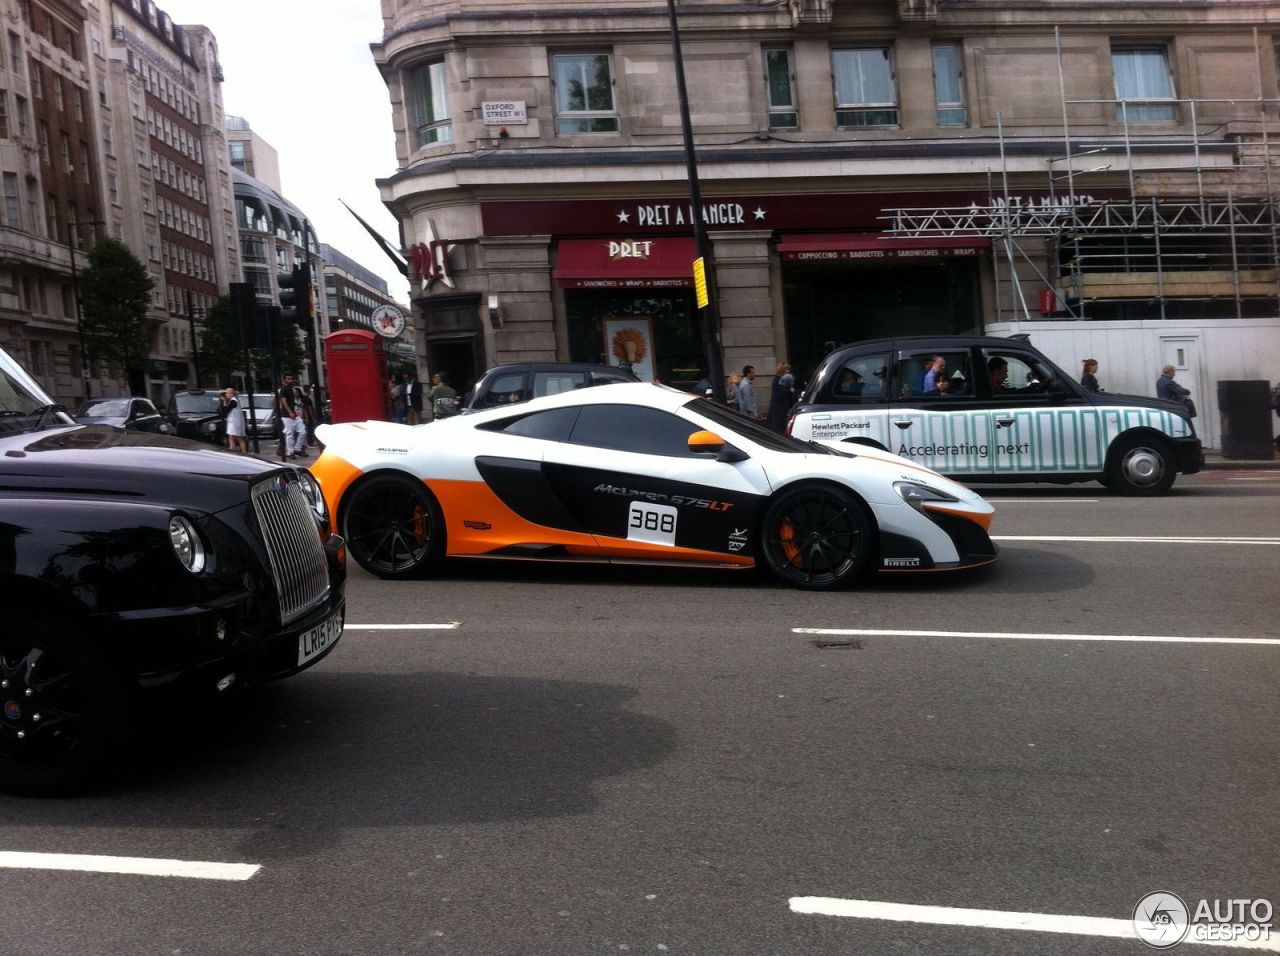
[659, 263]
[846, 246]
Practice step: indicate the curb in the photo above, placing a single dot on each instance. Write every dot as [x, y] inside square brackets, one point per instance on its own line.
[1214, 461]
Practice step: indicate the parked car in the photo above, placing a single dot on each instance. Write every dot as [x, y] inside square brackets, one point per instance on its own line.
[265, 419]
[197, 414]
[996, 411]
[135, 414]
[639, 474]
[131, 560]
[512, 384]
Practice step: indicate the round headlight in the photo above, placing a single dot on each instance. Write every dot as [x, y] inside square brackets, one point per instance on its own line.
[311, 488]
[211, 427]
[187, 544]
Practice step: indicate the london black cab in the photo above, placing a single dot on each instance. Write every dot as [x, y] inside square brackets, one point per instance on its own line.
[512, 384]
[131, 561]
[994, 410]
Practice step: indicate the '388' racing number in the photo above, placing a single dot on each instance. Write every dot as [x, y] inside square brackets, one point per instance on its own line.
[652, 522]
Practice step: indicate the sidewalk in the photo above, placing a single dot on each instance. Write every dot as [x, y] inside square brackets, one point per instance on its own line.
[1213, 459]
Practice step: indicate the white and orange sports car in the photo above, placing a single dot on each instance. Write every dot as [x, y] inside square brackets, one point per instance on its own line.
[637, 473]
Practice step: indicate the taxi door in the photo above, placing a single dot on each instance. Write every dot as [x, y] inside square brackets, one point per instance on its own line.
[853, 403]
[1041, 423]
[938, 417]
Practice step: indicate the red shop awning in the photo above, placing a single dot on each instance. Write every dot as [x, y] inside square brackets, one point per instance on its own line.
[850, 246]
[658, 263]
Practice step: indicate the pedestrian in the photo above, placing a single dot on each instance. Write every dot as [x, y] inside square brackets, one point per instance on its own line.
[308, 415]
[293, 437]
[732, 381]
[442, 397]
[234, 416]
[1170, 390]
[703, 387]
[412, 398]
[398, 406]
[1089, 376]
[747, 403]
[782, 395]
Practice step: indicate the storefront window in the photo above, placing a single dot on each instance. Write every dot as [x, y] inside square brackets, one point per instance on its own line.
[677, 339]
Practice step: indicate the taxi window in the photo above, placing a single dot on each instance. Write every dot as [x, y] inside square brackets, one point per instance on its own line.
[1013, 376]
[553, 383]
[505, 388]
[633, 428]
[859, 379]
[934, 375]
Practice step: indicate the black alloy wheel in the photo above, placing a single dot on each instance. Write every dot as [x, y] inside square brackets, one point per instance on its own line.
[393, 527]
[1140, 466]
[61, 710]
[817, 537]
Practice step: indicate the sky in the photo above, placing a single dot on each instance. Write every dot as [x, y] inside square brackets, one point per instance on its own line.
[301, 73]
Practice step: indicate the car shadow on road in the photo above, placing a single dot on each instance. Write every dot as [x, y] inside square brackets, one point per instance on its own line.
[299, 762]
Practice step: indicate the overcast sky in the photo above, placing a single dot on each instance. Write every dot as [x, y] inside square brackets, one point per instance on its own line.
[275, 53]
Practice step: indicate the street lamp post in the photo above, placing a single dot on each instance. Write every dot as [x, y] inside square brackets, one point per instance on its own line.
[75, 291]
[195, 345]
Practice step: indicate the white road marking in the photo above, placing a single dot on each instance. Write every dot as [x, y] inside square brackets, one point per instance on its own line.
[1134, 539]
[141, 866]
[997, 919]
[1015, 636]
[452, 625]
[1042, 501]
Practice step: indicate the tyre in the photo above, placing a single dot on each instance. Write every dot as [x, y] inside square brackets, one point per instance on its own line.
[61, 709]
[817, 537]
[394, 528]
[1140, 465]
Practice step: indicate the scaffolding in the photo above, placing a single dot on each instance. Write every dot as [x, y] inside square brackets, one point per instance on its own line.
[1188, 224]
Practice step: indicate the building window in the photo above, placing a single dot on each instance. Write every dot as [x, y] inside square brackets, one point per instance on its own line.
[12, 202]
[84, 161]
[948, 84]
[584, 93]
[781, 89]
[1144, 85]
[58, 95]
[4, 114]
[429, 101]
[20, 103]
[37, 80]
[864, 87]
[51, 216]
[43, 135]
[15, 52]
[79, 104]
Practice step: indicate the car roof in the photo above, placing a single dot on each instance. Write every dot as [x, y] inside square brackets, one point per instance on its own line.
[940, 341]
[648, 394]
[556, 366]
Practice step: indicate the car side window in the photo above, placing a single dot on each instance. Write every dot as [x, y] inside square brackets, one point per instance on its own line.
[553, 383]
[633, 428]
[1013, 376]
[608, 378]
[506, 387]
[860, 379]
[933, 375]
[555, 424]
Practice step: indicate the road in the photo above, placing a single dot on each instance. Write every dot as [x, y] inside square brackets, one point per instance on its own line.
[616, 760]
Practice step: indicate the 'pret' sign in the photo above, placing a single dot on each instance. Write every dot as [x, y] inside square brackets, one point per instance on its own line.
[504, 113]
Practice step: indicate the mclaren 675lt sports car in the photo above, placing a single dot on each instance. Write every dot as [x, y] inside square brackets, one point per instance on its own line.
[643, 474]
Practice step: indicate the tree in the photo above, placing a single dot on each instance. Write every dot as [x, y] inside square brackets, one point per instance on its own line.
[115, 293]
[219, 350]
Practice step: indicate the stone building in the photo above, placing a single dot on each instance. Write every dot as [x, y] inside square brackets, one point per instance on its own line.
[1098, 175]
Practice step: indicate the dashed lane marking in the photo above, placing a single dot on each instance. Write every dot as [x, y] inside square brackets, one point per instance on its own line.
[135, 865]
[452, 625]
[1017, 636]
[998, 919]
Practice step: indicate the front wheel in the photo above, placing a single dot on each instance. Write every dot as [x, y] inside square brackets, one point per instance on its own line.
[61, 708]
[1140, 465]
[817, 537]
[393, 527]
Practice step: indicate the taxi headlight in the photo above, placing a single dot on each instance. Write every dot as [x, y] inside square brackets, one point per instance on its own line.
[918, 495]
[187, 544]
[211, 427]
[315, 497]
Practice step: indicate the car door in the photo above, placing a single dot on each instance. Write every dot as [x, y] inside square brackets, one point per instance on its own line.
[852, 402]
[1041, 423]
[935, 417]
[628, 475]
[143, 416]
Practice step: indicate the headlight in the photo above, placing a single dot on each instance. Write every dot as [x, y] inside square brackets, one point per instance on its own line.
[211, 427]
[918, 495]
[315, 497]
[187, 544]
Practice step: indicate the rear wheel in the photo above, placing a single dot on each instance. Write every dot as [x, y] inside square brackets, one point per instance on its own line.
[817, 537]
[1140, 465]
[393, 527]
[61, 708]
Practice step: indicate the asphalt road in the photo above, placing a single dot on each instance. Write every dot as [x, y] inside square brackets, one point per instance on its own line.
[621, 760]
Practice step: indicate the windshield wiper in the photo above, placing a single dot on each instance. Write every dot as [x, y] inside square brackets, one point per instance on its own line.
[43, 412]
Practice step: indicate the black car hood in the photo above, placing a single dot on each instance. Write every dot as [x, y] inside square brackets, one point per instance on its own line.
[99, 460]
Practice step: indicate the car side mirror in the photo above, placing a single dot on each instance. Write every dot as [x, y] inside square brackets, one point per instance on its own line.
[707, 444]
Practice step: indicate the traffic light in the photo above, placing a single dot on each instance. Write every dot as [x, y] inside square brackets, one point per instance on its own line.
[296, 302]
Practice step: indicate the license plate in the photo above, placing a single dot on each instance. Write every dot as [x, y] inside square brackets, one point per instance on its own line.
[314, 641]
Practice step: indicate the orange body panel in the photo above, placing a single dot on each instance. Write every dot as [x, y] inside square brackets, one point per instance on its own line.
[474, 501]
[982, 521]
[335, 476]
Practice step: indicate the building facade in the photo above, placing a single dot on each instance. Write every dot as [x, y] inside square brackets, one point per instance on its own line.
[1101, 179]
[252, 154]
[352, 293]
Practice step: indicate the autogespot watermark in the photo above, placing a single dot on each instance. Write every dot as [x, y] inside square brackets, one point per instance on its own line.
[1162, 920]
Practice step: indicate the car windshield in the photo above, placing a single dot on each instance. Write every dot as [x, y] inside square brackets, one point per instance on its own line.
[105, 408]
[24, 405]
[748, 428]
[202, 403]
[263, 405]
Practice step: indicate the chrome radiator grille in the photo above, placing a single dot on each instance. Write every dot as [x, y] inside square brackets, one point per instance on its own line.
[293, 546]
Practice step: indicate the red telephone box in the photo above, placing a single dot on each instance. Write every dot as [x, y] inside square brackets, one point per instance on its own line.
[357, 365]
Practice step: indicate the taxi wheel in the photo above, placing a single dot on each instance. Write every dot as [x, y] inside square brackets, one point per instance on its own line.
[1140, 465]
[61, 708]
[817, 537]
[393, 527]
